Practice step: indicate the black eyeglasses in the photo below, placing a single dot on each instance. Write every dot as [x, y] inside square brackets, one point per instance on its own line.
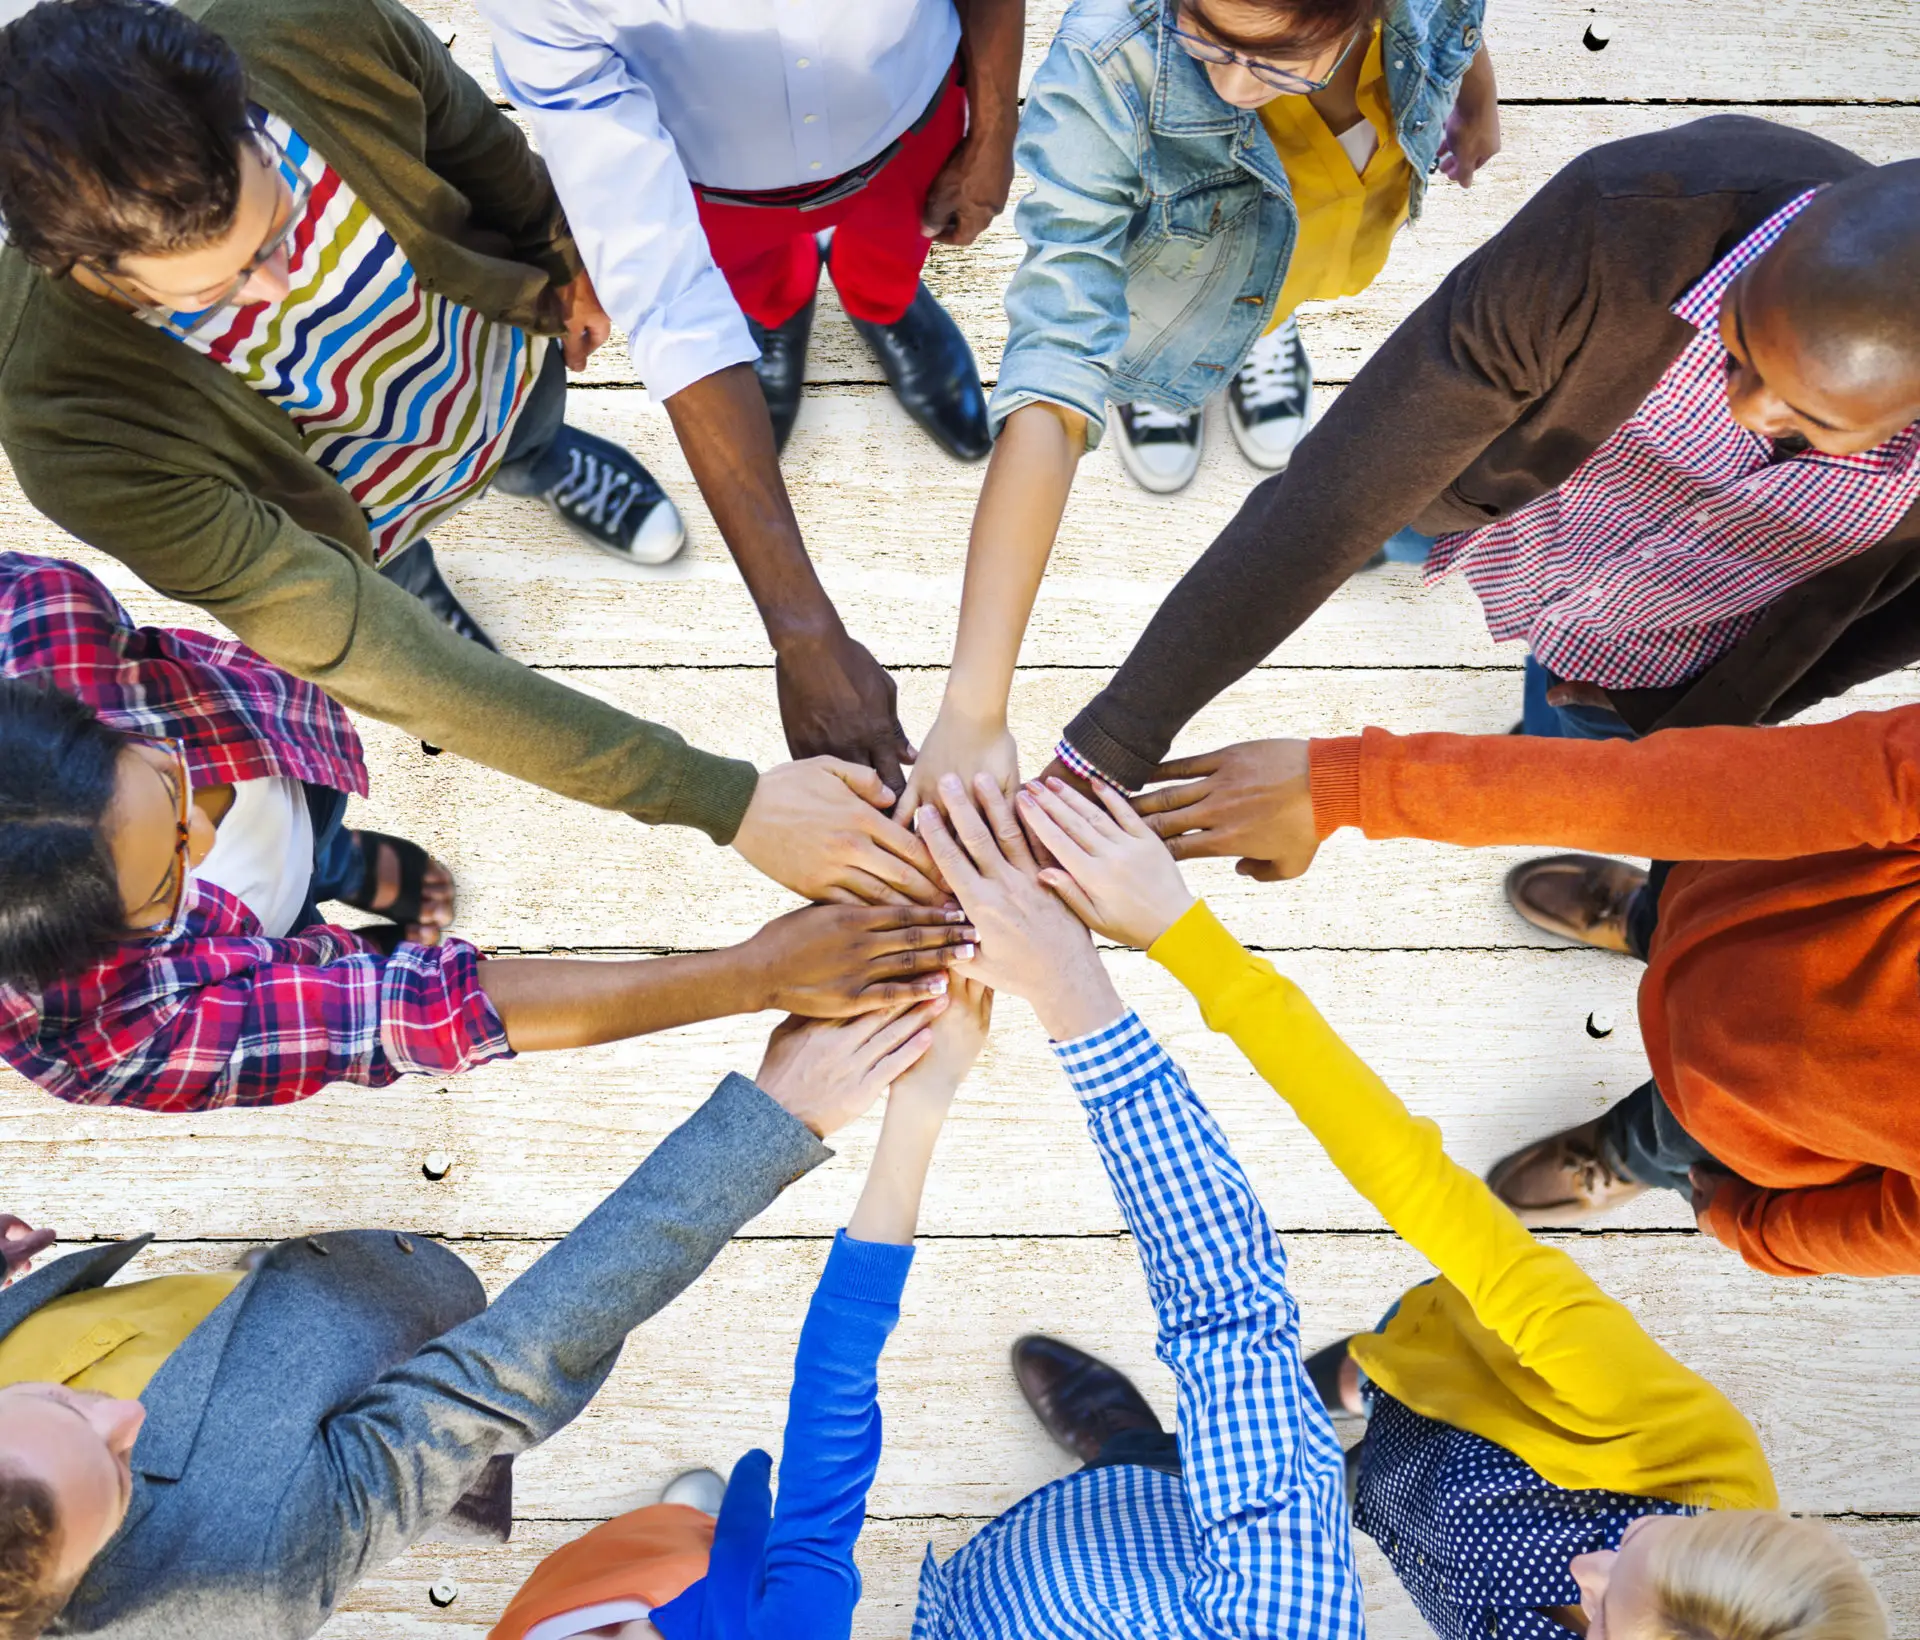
[1203, 50]
[182, 787]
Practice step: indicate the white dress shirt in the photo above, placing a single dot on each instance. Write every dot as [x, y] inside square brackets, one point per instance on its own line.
[631, 98]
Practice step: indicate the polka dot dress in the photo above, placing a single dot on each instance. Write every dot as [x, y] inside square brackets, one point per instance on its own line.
[1480, 1539]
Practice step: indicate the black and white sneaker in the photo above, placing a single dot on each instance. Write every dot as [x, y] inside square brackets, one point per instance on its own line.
[1159, 447]
[1270, 398]
[608, 498]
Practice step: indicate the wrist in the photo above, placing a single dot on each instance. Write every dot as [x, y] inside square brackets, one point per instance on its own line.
[742, 976]
[794, 630]
[1086, 1003]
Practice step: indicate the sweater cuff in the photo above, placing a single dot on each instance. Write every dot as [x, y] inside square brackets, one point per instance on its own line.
[713, 795]
[1198, 951]
[1124, 770]
[872, 1272]
[1334, 780]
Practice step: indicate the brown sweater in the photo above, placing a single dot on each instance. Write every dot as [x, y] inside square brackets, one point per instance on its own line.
[1529, 356]
[158, 456]
[1781, 1003]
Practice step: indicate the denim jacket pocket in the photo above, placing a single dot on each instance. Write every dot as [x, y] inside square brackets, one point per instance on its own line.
[1196, 239]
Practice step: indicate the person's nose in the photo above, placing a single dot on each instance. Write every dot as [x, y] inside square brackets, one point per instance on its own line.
[1757, 410]
[116, 1422]
[1237, 84]
[270, 281]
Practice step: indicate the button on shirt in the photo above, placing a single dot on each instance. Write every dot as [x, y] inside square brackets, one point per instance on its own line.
[630, 99]
[1483, 1543]
[1661, 550]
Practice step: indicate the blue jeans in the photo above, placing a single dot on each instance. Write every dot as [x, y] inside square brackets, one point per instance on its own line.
[1565, 722]
[535, 461]
[1643, 1140]
[338, 869]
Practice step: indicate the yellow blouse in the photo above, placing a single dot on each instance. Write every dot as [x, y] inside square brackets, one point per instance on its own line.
[1347, 218]
[111, 1339]
[1514, 1341]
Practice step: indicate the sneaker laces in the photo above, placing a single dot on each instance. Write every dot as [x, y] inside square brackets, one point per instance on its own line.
[1271, 374]
[1151, 417]
[596, 491]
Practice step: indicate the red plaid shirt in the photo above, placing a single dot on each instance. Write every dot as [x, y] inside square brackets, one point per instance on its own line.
[1661, 549]
[220, 1014]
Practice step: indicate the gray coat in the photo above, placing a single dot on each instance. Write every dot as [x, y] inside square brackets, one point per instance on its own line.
[347, 1393]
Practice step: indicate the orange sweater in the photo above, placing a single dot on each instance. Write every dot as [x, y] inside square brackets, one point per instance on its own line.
[1781, 1004]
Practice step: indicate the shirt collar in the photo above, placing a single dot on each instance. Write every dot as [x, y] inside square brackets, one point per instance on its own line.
[1700, 306]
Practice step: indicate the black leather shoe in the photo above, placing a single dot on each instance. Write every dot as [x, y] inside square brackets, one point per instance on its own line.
[412, 569]
[930, 367]
[1079, 1400]
[782, 368]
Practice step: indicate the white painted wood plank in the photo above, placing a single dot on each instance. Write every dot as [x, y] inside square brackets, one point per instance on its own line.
[708, 1377]
[1492, 1044]
[1856, 51]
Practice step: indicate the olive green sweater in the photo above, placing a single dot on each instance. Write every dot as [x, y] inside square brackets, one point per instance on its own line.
[160, 457]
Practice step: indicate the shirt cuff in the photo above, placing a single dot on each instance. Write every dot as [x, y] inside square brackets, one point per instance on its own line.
[872, 1272]
[435, 1019]
[701, 332]
[1334, 780]
[1069, 755]
[1112, 1059]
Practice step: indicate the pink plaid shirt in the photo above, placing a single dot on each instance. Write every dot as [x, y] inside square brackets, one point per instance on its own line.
[1661, 549]
[220, 1014]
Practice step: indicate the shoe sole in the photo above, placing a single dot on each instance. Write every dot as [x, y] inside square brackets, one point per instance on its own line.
[1152, 483]
[1254, 458]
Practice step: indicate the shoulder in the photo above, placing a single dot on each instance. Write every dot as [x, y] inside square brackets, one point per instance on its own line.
[325, 39]
[1721, 154]
[1113, 37]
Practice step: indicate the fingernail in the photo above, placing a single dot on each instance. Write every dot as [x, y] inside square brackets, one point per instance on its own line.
[956, 915]
[937, 986]
[963, 953]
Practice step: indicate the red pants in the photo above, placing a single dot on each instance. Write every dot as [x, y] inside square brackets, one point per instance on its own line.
[773, 266]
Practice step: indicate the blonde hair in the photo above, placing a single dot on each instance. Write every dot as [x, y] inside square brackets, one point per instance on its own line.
[1756, 1574]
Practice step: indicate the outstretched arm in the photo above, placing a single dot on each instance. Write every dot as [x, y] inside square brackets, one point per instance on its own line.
[1682, 794]
[1263, 1470]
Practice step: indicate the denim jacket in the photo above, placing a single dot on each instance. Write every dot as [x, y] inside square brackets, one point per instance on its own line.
[1161, 222]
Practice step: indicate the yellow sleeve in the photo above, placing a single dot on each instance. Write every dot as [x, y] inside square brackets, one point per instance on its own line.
[1587, 1352]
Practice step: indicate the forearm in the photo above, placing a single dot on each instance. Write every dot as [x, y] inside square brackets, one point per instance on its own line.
[1685, 794]
[889, 1205]
[722, 423]
[991, 35]
[1867, 1227]
[1022, 500]
[559, 1002]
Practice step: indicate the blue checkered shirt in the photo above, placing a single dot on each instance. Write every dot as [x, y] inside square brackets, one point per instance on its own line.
[1253, 1541]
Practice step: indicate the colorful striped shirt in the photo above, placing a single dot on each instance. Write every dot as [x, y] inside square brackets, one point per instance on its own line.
[1659, 552]
[1252, 1541]
[407, 398]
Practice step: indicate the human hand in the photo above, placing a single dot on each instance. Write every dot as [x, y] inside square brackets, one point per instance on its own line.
[958, 1036]
[1113, 873]
[829, 961]
[827, 1072]
[1580, 694]
[587, 323]
[836, 700]
[963, 746]
[1029, 942]
[820, 828]
[971, 188]
[1253, 800]
[1472, 136]
[19, 1242]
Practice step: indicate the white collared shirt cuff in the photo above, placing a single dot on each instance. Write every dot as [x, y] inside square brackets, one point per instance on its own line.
[699, 331]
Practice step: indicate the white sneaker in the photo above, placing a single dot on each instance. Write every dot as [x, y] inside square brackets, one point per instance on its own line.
[1159, 447]
[1270, 398]
[698, 1489]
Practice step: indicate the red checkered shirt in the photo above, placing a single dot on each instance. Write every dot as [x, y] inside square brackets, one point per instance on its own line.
[1659, 552]
[220, 1014]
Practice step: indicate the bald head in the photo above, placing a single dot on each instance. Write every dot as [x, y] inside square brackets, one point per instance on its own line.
[1825, 328]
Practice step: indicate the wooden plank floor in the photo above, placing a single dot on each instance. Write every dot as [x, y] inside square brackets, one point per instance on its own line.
[1496, 1032]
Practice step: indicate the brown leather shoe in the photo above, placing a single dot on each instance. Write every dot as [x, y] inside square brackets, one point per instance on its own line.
[1577, 896]
[1079, 1399]
[1561, 1180]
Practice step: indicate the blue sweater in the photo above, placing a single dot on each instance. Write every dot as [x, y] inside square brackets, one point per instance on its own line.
[787, 1570]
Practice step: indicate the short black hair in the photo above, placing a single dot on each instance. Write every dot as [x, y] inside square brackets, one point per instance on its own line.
[120, 130]
[60, 903]
[30, 1599]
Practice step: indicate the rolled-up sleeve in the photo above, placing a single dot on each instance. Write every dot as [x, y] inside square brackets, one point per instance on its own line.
[1067, 304]
[626, 193]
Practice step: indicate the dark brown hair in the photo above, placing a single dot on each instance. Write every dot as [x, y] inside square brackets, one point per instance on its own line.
[1299, 26]
[29, 1550]
[120, 130]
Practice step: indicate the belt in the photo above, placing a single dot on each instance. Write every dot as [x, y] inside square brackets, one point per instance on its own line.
[814, 196]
